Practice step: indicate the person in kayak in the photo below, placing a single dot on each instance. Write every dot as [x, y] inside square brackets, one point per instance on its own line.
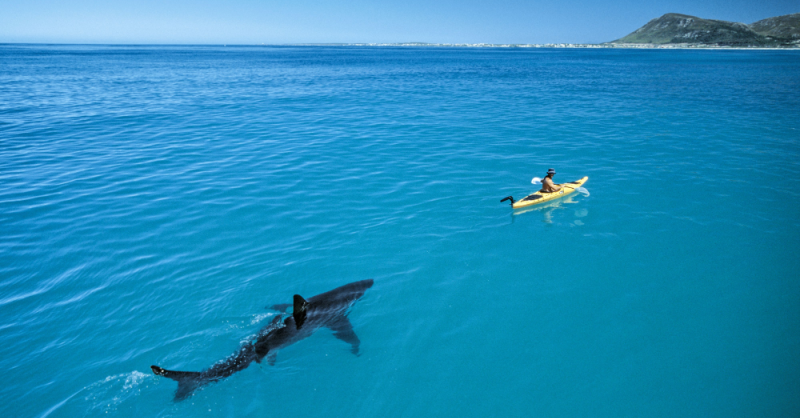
[547, 182]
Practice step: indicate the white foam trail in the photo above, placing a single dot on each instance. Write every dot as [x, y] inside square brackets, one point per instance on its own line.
[134, 379]
[108, 394]
[260, 317]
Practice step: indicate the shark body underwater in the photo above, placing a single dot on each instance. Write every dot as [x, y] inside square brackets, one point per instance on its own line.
[326, 310]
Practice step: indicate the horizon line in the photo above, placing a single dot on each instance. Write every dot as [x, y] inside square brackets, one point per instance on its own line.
[558, 45]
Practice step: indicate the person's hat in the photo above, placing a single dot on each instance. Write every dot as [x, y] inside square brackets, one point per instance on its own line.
[551, 171]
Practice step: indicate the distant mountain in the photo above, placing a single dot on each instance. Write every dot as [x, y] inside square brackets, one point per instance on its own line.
[673, 28]
[785, 27]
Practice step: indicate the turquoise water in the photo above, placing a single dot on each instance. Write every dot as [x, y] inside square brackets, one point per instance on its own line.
[154, 200]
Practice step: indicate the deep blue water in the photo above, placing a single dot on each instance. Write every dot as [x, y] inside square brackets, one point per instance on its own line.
[154, 200]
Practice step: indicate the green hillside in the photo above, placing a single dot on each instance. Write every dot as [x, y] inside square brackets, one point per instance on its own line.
[785, 27]
[673, 28]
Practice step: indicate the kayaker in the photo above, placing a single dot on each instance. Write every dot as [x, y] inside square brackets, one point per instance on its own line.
[547, 182]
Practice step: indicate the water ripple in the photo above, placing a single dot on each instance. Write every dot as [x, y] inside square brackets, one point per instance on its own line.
[154, 199]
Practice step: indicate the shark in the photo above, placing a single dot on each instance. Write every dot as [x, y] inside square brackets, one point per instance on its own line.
[326, 310]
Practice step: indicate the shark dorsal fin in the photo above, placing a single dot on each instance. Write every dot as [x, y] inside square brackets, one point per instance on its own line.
[299, 311]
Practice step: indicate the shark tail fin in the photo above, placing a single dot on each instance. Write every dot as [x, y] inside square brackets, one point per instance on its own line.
[187, 381]
[509, 198]
[299, 310]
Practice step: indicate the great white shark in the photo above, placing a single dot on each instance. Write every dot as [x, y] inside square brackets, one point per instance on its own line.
[326, 310]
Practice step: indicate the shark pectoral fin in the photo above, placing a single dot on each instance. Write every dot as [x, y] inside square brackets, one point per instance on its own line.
[271, 359]
[281, 307]
[343, 330]
[186, 389]
[187, 381]
[299, 310]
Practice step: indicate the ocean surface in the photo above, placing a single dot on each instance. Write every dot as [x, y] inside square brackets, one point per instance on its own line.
[155, 200]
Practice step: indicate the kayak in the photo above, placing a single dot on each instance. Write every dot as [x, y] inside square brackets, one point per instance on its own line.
[541, 197]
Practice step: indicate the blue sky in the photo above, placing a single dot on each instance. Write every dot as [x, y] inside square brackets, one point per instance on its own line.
[312, 21]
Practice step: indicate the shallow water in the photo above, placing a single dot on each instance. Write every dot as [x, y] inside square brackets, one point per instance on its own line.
[153, 201]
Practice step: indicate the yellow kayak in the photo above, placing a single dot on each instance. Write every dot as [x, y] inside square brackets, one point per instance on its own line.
[541, 197]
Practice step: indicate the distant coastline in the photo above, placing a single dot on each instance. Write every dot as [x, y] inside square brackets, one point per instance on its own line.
[435, 45]
[606, 45]
[672, 31]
